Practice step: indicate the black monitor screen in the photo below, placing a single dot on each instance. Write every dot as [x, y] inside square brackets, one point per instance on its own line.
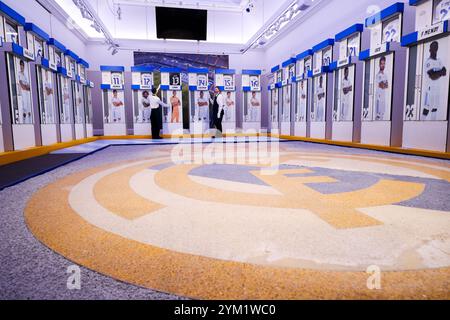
[187, 24]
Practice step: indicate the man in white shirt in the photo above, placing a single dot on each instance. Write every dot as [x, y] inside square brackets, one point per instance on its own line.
[434, 72]
[156, 114]
[347, 88]
[218, 109]
[203, 107]
[146, 109]
[381, 90]
[255, 106]
[48, 96]
[320, 93]
[25, 94]
[116, 107]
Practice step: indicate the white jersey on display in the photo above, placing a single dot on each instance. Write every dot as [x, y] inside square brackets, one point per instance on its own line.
[442, 12]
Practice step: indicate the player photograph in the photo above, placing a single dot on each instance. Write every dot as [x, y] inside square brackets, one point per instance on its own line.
[79, 108]
[145, 111]
[230, 107]
[116, 107]
[302, 94]
[346, 94]
[286, 103]
[175, 110]
[274, 105]
[24, 102]
[48, 114]
[254, 104]
[441, 10]
[383, 88]
[65, 97]
[435, 84]
[201, 106]
[318, 114]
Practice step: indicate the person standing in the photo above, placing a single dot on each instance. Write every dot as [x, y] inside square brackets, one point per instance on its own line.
[218, 109]
[156, 114]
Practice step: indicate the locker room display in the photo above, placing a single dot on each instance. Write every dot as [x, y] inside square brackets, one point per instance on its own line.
[171, 93]
[20, 128]
[71, 59]
[79, 86]
[380, 76]
[66, 114]
[275, 96]
[321, 87]
[113, 100]
[303, 85]
[89, 112]
[347, 68]
[225, 80]
[142, 85]
[199, 111]
[287, 85]
[251, 88]
[427, 95]
[46, 88]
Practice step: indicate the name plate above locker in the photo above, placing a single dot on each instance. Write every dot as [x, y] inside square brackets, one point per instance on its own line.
[425, 33]
[372, 52]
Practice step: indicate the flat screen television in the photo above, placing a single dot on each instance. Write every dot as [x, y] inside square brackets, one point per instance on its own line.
[186, 24]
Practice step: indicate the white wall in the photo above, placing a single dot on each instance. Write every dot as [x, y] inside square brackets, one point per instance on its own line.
[98, 55]
[35, 13]
[332, 18]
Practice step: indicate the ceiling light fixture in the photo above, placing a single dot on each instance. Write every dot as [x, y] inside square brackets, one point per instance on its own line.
[97, 24]
[279, 23]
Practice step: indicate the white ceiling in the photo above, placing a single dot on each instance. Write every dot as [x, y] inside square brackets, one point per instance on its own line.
[237, 5]
[228, 23]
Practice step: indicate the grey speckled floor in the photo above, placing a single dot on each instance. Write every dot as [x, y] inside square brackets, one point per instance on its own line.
[29, 270]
